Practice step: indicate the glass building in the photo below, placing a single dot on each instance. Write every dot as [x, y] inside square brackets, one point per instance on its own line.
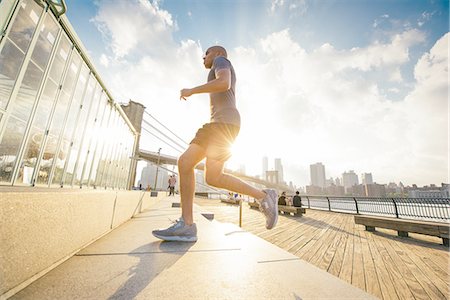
[59, 126]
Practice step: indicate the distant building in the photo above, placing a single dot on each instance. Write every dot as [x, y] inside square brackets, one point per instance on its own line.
[375, 190]
[272, 176]
[357, 190]
[317, 173]
[366, 178]
[314, 190]
[148, 176]
[241, 169]
[335, 190]
[431, 191]
[349, 179]
[279, 168]
[265, 167]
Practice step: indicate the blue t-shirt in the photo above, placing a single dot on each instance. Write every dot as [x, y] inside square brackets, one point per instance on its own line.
[223, 104]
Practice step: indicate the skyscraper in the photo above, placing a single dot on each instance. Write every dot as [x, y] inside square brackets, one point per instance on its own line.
[317, 173]
[366, 178]
[349, 179]
[265, 167]
[279, 168]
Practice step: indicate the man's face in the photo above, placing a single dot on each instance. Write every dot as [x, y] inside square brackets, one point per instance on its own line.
[208, 58]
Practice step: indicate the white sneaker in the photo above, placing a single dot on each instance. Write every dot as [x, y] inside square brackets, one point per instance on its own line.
[179, 231]
[269, 207]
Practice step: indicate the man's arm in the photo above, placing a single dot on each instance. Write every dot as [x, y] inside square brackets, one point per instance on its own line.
[222, 83]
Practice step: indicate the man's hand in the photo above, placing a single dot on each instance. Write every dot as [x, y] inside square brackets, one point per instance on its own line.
[185, 93]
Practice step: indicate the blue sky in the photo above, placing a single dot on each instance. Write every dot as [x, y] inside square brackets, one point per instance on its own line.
[356, 85]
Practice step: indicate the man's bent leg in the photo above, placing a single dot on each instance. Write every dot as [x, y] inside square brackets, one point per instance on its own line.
[216, 177]
[186, 164]
[267, 199]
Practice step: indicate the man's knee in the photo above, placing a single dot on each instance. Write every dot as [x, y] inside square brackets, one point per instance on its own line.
[213, 178]
[184, 163]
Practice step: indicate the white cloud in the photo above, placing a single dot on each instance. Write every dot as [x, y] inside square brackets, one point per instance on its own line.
[323, 107]
[104, 60]
[145, 28]
[295, 7]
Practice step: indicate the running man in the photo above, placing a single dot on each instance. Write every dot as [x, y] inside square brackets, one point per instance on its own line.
[213, 141]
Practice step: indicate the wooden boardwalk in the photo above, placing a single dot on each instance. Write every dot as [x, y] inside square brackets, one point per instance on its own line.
[380, 263]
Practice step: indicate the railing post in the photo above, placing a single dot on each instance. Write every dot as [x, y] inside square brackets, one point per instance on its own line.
[356, 204]
[329, 205]
[309, 204]
[395, 207]
[240, 213]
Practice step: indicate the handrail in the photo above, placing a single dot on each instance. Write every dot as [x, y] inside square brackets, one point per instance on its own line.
[437, 209]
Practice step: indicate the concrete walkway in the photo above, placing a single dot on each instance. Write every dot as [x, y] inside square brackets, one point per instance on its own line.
[225, 263]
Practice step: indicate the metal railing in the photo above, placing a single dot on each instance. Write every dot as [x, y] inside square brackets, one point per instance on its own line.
[432, 209]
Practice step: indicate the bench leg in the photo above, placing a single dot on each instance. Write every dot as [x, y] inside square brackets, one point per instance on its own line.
[402, 233]
[445, 242]
[370, 228]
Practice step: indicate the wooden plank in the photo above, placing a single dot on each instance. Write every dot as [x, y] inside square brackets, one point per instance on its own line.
[347, 262]
[419, 257]
[326, 241]
[325, 261]
[358, 275]
[370, 274]
[409, 260]
[401, 287]
[336, 263]
[384, 278]
[403, 272]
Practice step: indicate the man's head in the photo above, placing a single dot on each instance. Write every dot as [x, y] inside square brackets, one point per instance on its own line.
[297, 193]
[212, 53]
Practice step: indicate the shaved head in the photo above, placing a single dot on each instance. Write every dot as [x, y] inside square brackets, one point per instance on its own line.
[217, 50]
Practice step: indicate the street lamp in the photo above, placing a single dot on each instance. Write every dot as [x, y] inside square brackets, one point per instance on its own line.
[157, 168]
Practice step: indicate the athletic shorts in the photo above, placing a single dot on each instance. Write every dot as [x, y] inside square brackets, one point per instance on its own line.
[216, 139]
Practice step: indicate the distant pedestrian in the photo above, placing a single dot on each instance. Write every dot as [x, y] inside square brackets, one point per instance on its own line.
[282, 199]
[297, 200]
[172, 183]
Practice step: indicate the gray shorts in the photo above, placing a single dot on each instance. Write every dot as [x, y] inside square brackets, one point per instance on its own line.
[216, 139]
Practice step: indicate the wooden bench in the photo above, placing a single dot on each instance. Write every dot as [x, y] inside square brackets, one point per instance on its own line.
[297, 211]
[230, 201]
[404, 226]
[253, 205]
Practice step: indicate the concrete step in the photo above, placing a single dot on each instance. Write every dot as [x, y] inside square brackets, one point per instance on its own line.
[225, 263]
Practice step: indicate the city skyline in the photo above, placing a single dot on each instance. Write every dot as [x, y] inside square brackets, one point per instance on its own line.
[354, 92]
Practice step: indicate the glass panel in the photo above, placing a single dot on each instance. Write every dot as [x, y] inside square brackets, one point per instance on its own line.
[88, 132]
[106, 181]
[9, 146]
[78, 134]
[71, 120]
[57, 124]
[45, 42]
[25, 24]
[94, 175]
[76, 102]
[23, 103]
[45, 104]
[104, 161]
[30, 155]
[60, 59]
[10, 61]
[95, 140]
[47, 159]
